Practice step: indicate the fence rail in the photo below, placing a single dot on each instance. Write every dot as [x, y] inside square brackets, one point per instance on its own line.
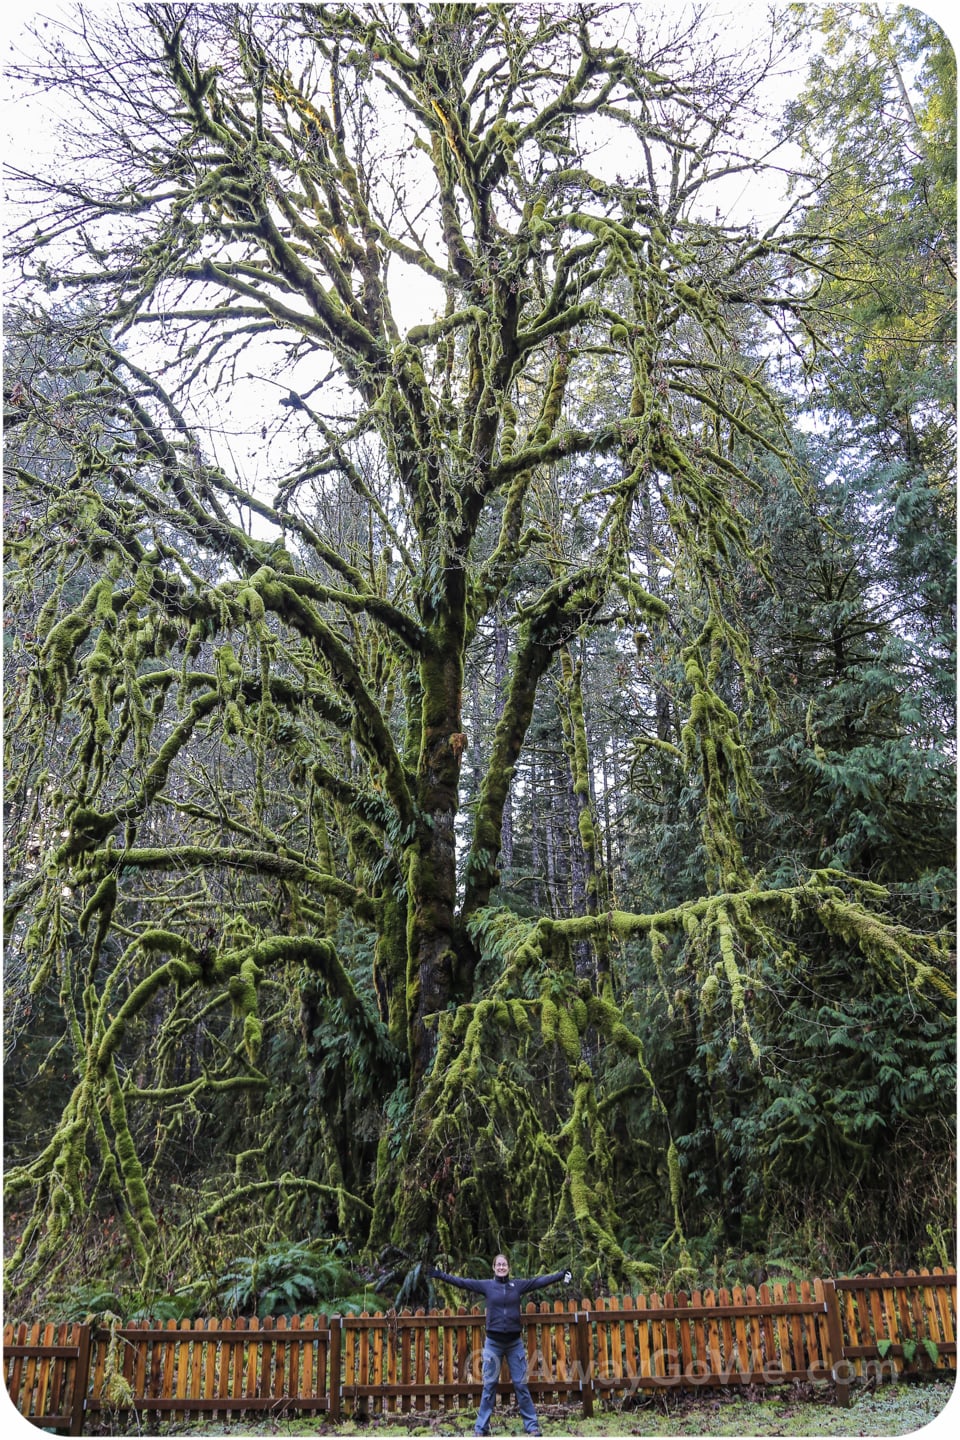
[846, 1330]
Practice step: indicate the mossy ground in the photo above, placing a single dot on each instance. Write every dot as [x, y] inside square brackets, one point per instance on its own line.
[891, 1410]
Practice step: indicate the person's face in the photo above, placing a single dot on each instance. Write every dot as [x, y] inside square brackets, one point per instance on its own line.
[501, 1267]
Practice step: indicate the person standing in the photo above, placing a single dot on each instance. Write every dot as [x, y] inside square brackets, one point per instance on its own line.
[503, 1338]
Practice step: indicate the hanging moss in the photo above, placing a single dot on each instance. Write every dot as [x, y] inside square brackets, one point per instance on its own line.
[58, 657]
[143, 1230]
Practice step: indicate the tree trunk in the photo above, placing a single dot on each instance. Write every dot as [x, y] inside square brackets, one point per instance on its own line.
[434, 956]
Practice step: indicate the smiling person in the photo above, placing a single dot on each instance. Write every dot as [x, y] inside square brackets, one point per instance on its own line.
[503, 1295]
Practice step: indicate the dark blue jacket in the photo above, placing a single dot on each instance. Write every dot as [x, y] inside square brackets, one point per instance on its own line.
[502, 1296]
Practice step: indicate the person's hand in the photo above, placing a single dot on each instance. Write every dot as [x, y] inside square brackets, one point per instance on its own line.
[567, 1277]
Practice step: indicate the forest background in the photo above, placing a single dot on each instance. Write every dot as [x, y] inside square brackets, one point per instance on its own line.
[482, 778]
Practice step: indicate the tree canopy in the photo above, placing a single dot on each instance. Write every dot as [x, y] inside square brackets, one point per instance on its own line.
[386, 381]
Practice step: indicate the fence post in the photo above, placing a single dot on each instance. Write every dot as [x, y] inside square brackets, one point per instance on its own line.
[336, 1329]
[81, 1381]
[585, 1361]
[839, 1364]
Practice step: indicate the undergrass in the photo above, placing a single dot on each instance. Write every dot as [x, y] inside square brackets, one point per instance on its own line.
[890, 1410]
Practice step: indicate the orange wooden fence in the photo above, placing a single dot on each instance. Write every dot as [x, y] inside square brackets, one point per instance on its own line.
[46, 1369]
[847, 1330]
[883, 1314]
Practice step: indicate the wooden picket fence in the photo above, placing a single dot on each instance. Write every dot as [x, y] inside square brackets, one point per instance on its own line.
[846, 1331]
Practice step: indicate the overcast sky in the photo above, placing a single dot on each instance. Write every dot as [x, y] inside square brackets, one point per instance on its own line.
[26, 127]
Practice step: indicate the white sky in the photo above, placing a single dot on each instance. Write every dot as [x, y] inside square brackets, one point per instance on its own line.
[25, 127]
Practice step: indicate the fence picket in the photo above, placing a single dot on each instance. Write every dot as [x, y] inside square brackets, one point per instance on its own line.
[41, 1403]
[601, 1369]
[674, 1361]
[694, 1329]
[330, 1354]
[741, 1343]
[282, 1385]
[14, 1377]
[421, 1359]
[671, 1341]
[370, 1342]
[224, 1366]
[254, 1368]
[460, 1344]
[856, 1324]
[615, 1339]
[404, 1337]
[902, 1301]
[373, 1368]
[700, 1361]
[643, 1336]
[392, 1338]
[48, 1390]
[726, 1332]
[811, 1357]
[449, 1358]
[777, 1357]
[656, 1337]
[207, 1385]
[943, 1298]
[349, 1345]
[629, 1339]
[476, 1351]
[237, 1368]
[552, 1349]
[534, 1365]
[796, 1359]
[378, 1355]
[268, 1352]
[328, 1362]
[30, 1375]
[58, 1372]
[305, 1367]
[751, 1325]
[714, 1359]
[182, 1365]
[433, 1364]
[769, 1342]
[584, 1353]
[931, 1314]
[198, 1353]
[873, 1324]
[891, 1314]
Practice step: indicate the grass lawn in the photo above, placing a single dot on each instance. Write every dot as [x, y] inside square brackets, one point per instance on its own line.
[890, 1410]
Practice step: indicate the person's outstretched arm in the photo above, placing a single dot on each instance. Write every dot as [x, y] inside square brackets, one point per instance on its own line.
[462, 1282]
[539, 1282]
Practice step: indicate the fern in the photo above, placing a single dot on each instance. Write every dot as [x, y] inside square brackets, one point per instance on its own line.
[933, 1354]
[283, 1280]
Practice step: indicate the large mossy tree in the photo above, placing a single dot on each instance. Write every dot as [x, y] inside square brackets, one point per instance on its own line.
[264, 519]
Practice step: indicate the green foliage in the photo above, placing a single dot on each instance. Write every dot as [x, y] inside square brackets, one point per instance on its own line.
[911, 1347]
[888, 198]
[415, 1289]
[284, 1279]
[185, 1303]
[81, 1301]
